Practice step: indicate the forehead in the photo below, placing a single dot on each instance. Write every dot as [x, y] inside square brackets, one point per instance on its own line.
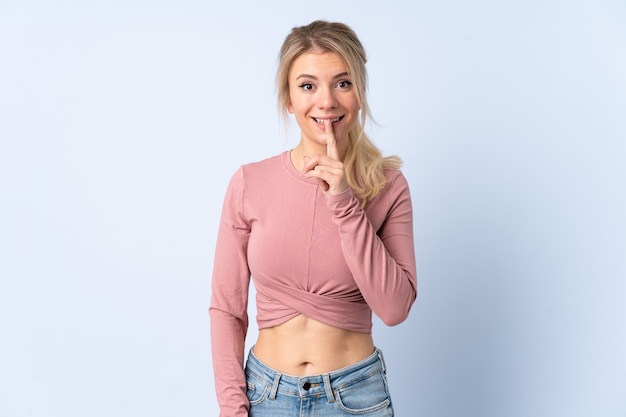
[318, 64]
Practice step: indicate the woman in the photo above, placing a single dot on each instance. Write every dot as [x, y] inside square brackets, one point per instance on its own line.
[326, 232]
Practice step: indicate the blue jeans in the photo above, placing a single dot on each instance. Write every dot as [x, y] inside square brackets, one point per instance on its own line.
[360, 389]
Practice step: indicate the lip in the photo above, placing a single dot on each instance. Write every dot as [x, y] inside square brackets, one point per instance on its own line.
[320, 121]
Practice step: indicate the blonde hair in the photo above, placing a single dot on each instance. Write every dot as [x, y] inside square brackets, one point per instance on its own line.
[363, 162]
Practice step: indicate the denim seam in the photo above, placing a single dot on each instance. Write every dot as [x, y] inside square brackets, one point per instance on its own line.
[356, 381]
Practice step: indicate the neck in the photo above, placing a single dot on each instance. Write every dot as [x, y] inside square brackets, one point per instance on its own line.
[297, 156]
[301, 150]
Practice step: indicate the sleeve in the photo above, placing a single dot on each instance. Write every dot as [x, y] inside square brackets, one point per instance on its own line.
[382, 262]
[229, 303]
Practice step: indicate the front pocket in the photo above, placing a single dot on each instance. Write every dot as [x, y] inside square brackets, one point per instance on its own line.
[367, 396]
[256, 393]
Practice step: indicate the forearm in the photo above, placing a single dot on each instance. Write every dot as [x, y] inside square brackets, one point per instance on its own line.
[227, 346]
[382, 261]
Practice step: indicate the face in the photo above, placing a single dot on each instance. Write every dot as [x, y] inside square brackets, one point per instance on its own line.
[320, 89]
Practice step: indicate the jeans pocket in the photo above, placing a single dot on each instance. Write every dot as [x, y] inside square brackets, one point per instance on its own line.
[367, 396]
[256, 393]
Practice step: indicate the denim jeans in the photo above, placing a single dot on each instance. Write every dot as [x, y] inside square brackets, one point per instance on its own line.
[357, 390]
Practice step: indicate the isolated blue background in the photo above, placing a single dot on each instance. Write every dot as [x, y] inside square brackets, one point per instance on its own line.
[122, 121]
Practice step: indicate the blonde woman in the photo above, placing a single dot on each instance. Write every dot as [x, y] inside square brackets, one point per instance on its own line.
[325, 231]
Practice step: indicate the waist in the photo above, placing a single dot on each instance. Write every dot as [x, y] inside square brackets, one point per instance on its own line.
[313, 384]
[304, 346]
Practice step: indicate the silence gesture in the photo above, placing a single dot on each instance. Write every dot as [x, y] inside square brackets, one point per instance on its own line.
[328, 169]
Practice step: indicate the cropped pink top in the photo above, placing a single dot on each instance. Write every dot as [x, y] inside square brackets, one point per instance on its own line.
[308, 253]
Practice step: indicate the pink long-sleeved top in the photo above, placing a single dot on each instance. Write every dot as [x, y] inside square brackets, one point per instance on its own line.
[308, 253]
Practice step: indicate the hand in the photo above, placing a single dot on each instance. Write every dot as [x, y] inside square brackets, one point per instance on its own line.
[328, 169]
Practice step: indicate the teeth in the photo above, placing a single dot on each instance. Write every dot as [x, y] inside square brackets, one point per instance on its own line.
[331, 120]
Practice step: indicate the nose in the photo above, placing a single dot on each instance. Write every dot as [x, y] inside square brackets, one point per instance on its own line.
[326, 99]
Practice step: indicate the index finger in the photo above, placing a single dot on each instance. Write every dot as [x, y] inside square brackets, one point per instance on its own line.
[331, 142]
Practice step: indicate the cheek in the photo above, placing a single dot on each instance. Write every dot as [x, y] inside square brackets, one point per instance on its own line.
[290, 105]
[357, 106]
[352, 104]
[294, 105]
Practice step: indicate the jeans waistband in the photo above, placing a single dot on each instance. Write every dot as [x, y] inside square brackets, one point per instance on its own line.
[313, 384]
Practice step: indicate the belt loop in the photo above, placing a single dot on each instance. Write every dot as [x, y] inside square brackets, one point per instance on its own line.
[382, 360]
[328, 388]
[275, 386]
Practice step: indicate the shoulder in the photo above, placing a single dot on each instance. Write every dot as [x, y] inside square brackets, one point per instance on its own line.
[395, 179]
[262, 167]
[396, 191]
[265, 164]
[251, 179]
[394, 199]
[258, 168]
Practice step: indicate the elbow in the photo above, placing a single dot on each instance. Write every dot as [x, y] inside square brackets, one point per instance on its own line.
[399, 312]
[395, 319]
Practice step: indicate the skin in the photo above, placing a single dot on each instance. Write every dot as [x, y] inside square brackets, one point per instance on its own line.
[320, 91]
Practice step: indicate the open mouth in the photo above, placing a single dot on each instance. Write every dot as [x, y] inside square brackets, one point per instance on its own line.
[322, 121]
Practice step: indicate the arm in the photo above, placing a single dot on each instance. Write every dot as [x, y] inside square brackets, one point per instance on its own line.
[382, 263]
[229, 303]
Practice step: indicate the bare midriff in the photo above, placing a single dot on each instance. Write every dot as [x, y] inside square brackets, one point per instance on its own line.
[304, 346]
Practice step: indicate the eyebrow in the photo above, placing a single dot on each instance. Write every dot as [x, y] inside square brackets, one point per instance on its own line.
[313, 77]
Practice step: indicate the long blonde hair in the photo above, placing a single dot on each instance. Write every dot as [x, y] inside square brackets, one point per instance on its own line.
[364, 162]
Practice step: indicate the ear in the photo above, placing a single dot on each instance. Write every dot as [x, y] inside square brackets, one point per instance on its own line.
[290, 108]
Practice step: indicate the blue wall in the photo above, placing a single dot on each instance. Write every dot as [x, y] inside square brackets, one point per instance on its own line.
[121, 123]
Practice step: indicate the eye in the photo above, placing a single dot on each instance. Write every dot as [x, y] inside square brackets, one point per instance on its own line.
[345, 84]
[306, 86]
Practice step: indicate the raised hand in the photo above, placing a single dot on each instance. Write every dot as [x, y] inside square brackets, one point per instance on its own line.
[328, 169]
